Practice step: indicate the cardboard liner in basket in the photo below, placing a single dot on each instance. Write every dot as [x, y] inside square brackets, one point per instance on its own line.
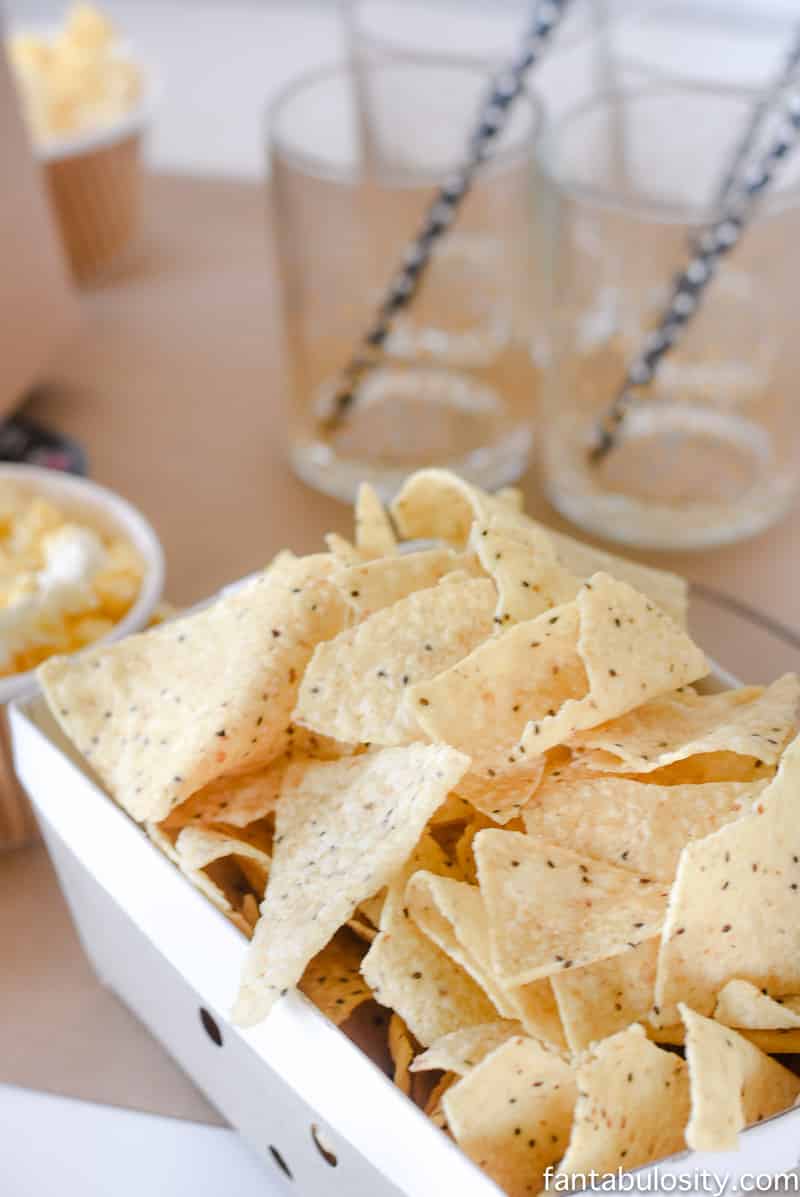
[96, 199]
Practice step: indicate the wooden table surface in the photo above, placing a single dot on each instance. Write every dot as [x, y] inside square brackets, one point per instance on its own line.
[175, 386]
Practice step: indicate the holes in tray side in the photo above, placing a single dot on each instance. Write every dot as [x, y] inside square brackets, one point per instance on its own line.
[280, 1161]
[323, 1145]
[211, 1027]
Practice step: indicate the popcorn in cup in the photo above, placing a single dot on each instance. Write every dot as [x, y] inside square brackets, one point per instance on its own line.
[87, 104]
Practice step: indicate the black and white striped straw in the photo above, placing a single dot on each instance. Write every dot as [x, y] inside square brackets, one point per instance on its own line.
[738, 198]
[506, 85]
[761, 110]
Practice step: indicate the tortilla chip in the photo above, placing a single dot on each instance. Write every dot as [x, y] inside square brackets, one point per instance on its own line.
[512, 497]
[407, 972]
[733, 912]
[401, 1049]
[707, 767]
[776, 1042]
[356, 687]
[529, 688]
[220, 882]
[197, 847]
[605, 997]
[454, 810]
[160, 715]
[668, 590]
[433, 1106]
[436, 503]
[373, 585]
[341, 548]
[410, 973]
[632, 1107]
[452, 914]
[631, 651]
[512, 1113]
[639, 827]
[333, 981]
[732, 1083]
[249, 912]
[461, 1051]
[240, 799]
[374, 533]
[342, 833]
[550, 909]
[741, 1004]
[522, 561]
[486, 700]
[751, 722]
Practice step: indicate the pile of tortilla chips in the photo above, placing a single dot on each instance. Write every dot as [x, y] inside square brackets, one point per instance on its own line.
[467, 790]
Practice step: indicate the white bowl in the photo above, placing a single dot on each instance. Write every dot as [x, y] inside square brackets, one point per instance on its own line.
[109, 513]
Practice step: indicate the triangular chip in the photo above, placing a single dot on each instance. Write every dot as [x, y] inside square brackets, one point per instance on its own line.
[512, 497]
[636, 826]
[522, 561]
[356, 687]
[732, 1083]
[632, 1107]
[401, 1049]
[751, 722]
[239, 799]
[410, 973]
[453, 915]
[221, 882]
[531, 687]
[340, 835]
[461, 1051]
[741, 1004]
[436, 503]
[373, 585]
[160, 715]
[333, 981]
[779, 1041]
[341, 548]
[734, 911]
[199, 846]
[512, 1113]
[605, 997]
[374, 534]
[433, 1106]
[550, 909]
[631, 651]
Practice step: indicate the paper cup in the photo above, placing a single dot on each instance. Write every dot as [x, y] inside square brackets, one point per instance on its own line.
[110, 513]
[95, 183]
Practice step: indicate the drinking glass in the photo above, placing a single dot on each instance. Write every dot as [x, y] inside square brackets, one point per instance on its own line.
[715, 42]
[709, 452]
[455, 385]
[578, 61]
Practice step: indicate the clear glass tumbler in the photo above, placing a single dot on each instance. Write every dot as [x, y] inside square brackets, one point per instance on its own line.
[577, 63]
[709, 453]
[455, 386]
[714, 42]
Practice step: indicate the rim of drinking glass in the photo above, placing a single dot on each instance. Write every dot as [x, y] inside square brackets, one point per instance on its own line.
[665, 211]
[736, 22]
[319, 168]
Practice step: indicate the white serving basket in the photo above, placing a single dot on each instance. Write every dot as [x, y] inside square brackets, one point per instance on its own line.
[321, 1115]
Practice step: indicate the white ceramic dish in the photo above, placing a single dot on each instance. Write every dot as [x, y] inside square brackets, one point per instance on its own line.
[110, 513]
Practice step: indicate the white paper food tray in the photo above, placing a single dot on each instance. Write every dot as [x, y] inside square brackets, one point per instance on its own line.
[169, 955]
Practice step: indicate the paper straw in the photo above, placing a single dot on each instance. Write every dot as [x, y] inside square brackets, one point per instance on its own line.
[506, 85]
[738, 197]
